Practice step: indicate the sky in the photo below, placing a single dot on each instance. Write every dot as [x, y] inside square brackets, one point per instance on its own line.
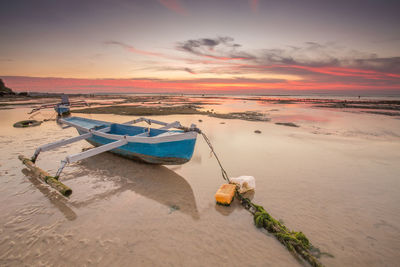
[200, 46]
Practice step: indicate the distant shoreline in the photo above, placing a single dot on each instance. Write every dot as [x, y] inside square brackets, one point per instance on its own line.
[159, 104]
[331, 96]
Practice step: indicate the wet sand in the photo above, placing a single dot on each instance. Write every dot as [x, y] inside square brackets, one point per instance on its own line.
[335, 178]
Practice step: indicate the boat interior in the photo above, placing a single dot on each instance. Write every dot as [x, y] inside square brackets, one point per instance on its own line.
[121, 129]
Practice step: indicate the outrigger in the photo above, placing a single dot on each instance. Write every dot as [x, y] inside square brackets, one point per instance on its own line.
[150, 145]
[62, 108]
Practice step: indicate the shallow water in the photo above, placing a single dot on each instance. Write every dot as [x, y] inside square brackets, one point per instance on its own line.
[335, 178]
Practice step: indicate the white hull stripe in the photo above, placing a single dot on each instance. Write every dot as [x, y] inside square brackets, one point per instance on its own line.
[138, 139]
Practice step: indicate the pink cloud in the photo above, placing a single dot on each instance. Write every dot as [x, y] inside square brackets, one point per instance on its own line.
[133, 49]
[71, 85]
[142, 52]
[174, 5]
[333, 71]
[223, 58]
[254, 5]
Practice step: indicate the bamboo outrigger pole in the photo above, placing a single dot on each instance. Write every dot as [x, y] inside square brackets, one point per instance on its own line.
[53, 180]
[46, 177]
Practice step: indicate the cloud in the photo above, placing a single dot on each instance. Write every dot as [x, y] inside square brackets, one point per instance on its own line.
[319, 73]
[189, 70]
[254, 5]
[312, 62]
[310, 54]
[155, 67]
[391, 64]
[143, 85]
[310, 66]
[315, 59]
[185, 69]
[313, 54]
[175, 6]
[220, 48]
[132, 49]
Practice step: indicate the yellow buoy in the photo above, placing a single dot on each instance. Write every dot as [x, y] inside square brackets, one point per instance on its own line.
[225, 194]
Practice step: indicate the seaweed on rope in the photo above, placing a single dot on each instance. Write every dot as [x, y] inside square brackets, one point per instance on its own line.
[296, 242]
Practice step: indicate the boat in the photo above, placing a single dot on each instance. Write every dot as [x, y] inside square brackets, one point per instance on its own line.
[150, 145]
[62, 108]
[171, 144]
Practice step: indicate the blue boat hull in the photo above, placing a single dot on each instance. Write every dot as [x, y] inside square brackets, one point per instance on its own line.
[61, 110]
[143, 157]
[172, 152]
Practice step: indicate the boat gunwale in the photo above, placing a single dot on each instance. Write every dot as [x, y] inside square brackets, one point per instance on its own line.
[134, 139]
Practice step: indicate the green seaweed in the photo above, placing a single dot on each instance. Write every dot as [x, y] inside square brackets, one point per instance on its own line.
[296, 242]
[173, 208]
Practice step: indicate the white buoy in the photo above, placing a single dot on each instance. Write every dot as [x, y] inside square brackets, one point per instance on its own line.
[245, 183]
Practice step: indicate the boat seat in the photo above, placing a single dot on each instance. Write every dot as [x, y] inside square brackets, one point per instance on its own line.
[146, 134]
[169, 133]
[99, 127]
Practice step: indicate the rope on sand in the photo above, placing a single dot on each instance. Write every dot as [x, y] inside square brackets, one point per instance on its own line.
[296, 242]
[32, 123]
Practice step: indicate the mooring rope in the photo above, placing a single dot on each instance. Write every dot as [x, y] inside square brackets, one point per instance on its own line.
[53, 115]
[49, 119]
[224, 174]
[296, 242]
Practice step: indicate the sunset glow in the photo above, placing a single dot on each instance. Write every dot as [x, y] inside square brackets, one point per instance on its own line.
[163, 46]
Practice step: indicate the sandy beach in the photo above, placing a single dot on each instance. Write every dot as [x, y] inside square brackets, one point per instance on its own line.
[335, 177]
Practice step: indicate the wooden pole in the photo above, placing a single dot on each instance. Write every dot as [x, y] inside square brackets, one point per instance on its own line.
[46, 177]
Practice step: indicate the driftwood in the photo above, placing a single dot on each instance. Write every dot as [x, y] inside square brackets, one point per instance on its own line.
[46, 177]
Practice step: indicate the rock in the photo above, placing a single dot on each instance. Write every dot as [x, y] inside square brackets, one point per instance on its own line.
[290, 124]
[341, 105]
[257, 131]
[5, 90]
[247, 116]
[200, 120]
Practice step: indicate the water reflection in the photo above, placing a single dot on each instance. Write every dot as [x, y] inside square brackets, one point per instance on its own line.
[227, 210]
[151, 181]
[300, 118]
[56, 199]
